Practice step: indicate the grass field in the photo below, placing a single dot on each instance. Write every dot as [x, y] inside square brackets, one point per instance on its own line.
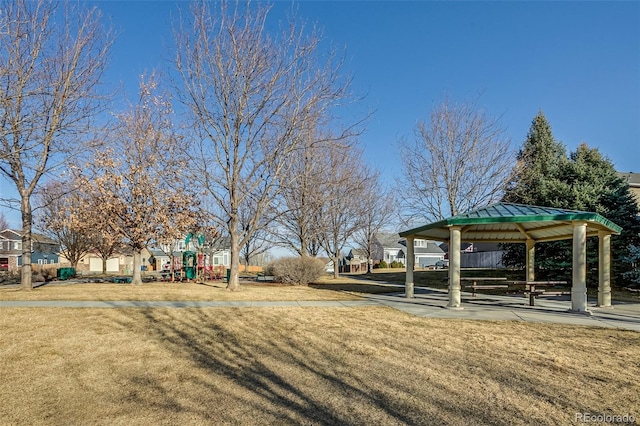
[170, 292]
[289, 365]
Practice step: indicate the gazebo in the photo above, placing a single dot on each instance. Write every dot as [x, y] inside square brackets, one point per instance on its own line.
[518, 223]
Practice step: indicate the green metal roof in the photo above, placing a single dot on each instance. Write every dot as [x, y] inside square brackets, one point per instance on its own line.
[508, 222]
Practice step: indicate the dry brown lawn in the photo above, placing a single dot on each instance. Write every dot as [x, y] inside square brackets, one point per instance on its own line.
[171, 292]
[341, 366]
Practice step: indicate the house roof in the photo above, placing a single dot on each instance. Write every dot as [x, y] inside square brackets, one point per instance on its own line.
[508, 222]
[11, 234]
[430, 248]
[632, 178]
[353, 253]
[389, 240]
[36, 238]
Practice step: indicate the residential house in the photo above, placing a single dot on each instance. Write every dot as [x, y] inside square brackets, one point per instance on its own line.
[120, 262]
[355, 261]
[634, 184]
[387, 247]
[390, 248]
[44, 250]
[426, 252]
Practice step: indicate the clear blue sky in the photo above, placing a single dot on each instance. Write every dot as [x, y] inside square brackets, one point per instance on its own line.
[577, 61]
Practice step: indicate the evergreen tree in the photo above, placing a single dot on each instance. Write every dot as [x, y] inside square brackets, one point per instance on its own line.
[596, 187]
[536, 181]
[535, 177]
[584, 181]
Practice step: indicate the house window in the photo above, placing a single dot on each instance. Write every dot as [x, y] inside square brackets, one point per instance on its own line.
[40, 262]
[418, 243]
[17, 245]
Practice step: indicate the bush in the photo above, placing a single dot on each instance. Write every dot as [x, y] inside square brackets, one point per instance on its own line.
[383, 264]
[268, 270]
[296, 270]
[396, 264]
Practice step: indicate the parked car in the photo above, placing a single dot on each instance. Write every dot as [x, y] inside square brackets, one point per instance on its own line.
[442, 264]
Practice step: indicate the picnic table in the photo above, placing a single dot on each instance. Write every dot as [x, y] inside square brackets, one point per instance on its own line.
[532, 292]
[475, 286]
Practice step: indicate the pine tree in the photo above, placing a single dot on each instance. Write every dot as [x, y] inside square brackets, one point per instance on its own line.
[584, 181]
[536, 181]
[535, 177]
[596, 187]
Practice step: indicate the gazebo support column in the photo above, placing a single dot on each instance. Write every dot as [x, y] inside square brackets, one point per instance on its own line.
[408, 285]
[579, 285]
[531, 262]
[454, 268]
[604, 269]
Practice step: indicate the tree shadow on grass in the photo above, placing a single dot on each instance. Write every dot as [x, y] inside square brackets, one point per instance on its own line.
[297, 366]
[271, 372]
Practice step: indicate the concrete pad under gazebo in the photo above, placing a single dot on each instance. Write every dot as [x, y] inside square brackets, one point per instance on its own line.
[518, 223]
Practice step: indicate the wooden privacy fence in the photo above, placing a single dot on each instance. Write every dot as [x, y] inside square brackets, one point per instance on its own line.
[482, 259]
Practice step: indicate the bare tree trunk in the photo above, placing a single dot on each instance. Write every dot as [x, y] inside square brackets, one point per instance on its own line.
[172, 269]
[27, 222]
[104, 265]
[137, 263]
[235, 259]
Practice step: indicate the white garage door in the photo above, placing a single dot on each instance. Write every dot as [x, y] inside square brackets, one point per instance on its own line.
[95, 265]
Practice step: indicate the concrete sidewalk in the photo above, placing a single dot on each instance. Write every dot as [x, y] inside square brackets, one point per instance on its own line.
[432, 303]
[427, 303]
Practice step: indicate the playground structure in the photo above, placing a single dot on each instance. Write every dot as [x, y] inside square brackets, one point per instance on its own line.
[192, 266]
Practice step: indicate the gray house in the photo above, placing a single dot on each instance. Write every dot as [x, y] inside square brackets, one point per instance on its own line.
[387, 247]
[390, 247]
[44, 250]
[426, 252]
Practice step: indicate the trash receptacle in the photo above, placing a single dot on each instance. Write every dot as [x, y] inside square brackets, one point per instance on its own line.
[228, 275]
[65, 273]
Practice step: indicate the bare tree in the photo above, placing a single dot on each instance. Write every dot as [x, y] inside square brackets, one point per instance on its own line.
[251, 96]
[459, 159]
[65, 216]
[259, 241]
[3, 222]
[105, 245]
[51, 62]
[344, 187]
[136, 181]
[298, 222]
[378, 209]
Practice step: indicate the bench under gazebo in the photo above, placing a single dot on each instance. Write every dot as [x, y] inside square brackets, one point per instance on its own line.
[518, 223]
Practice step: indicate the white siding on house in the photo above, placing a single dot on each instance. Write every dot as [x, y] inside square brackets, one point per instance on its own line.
[390, 255]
